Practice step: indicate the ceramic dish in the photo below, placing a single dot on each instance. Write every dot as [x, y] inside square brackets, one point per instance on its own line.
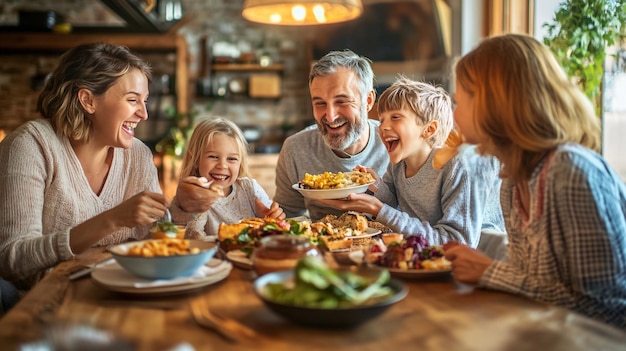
[357, 258]
[327, 317]
[369, 232]
[321, 194]
[113, 277]
[163, 267]
[417, 273]
[239, 259]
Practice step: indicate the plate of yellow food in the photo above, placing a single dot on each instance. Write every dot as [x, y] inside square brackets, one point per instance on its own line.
[330, 185]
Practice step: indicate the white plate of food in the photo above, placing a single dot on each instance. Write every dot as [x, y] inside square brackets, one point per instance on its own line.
[239, 259]
[369, 232]
[358, 256]
[327, 194]
[113, 277]
[351, 242]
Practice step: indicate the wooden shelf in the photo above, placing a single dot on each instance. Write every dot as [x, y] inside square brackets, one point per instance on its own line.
[19, 43]
[25, 41]
[238, 67]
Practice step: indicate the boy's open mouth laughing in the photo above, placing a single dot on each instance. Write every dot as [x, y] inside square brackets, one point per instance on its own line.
[391, 143]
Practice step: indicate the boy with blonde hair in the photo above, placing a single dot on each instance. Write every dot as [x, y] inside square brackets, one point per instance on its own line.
[454, 200]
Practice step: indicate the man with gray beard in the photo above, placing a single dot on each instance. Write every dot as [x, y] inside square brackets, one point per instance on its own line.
[342, 93]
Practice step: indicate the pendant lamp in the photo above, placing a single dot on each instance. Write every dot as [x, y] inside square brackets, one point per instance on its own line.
[301, 12]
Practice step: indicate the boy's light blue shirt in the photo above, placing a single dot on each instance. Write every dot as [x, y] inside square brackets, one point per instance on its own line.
[452, 203]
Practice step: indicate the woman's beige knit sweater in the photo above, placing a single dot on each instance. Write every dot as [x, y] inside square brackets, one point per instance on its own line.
[44, 193]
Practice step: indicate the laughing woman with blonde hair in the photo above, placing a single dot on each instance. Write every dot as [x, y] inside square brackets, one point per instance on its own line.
[564, 207]
[77, 177]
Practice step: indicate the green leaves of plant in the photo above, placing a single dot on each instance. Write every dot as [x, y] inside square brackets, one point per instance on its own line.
[581, 33]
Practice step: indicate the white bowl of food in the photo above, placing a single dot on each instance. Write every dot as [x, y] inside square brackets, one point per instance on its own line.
[339, 193]
[330, 185]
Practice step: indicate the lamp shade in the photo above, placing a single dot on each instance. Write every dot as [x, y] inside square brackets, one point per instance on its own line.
[301, 12]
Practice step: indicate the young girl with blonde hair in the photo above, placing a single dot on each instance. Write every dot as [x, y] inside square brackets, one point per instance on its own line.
[218, 151]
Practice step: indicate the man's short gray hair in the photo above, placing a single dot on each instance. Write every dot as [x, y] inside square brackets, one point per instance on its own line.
[360, 65]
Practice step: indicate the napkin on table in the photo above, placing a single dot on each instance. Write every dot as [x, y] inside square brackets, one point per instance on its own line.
[200, 274]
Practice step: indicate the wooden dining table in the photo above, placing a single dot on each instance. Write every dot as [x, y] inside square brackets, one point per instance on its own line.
[437, 314]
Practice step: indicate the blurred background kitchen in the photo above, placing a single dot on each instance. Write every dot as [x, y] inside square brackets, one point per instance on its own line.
[210, 61]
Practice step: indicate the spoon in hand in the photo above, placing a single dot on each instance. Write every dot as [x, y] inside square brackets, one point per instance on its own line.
[167, 217]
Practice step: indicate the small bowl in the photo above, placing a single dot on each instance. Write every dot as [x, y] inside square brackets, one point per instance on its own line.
[328, 317]
[163, 267]
[281, 252]
[162, 235]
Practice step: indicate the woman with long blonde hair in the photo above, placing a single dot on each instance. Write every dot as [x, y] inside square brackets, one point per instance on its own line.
[564, 207]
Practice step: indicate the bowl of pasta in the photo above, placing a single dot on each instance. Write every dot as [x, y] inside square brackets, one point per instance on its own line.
[330, 185]
[163, 258]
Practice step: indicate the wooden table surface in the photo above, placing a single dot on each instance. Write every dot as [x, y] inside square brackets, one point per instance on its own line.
[437, 314]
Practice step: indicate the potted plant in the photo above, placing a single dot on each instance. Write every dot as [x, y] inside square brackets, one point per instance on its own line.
[579, 37]
[174, 142]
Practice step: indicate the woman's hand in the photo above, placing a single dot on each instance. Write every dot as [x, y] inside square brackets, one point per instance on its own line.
[468, 265]
[356, 202]
[140, 210]
[197, 194]
[274, 211]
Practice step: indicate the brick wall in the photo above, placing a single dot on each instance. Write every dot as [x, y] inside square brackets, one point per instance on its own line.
[217, 20]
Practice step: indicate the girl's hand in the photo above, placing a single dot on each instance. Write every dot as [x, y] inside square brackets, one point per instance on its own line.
[140, 210]
[356, 202]
[468, 265]
[274, 211]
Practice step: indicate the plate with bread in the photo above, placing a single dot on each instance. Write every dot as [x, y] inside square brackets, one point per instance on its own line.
[330, 185]
[245, 234]
[351, 230]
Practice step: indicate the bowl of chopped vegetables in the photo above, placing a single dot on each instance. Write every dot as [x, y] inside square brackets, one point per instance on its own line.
[313, 294]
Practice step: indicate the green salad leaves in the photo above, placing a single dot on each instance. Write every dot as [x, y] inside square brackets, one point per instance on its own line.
[164, 227]
[318, 286]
